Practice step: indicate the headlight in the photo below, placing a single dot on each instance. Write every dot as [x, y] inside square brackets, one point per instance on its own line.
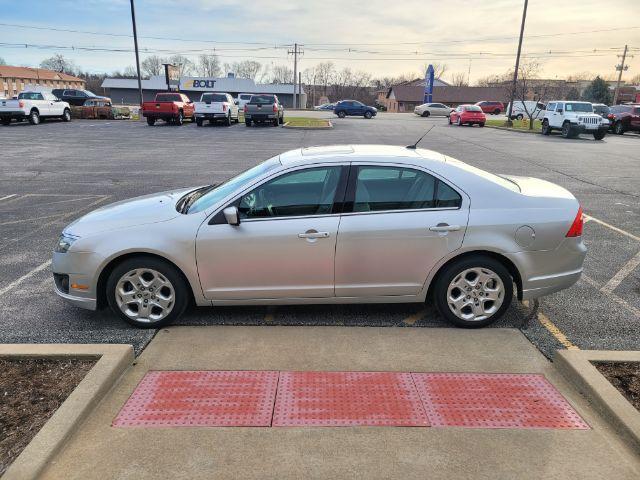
[65, 241]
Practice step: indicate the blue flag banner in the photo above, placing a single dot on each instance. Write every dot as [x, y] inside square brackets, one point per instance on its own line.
[428, 85]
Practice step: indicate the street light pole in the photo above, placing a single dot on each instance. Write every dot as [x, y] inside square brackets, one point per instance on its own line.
[621, 69]
[135, 43]
[515, 72]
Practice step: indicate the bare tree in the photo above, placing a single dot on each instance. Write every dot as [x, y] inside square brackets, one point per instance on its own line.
[246, 69]
[325, 72]
[439, 69]
[493, 80]
[635, 80]
[152, 65]
[183, 66]
[459, 79]
[60, 64]
[309, 78]
[281, 74]
[533, 93]
[2, 62]
[209, 66]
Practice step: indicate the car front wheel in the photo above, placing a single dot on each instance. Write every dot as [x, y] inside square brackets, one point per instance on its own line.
[459, 122]
[34, 117]
[599, 135]
[426, 113]
[367, 115]
[618, 128]
[473, 292]
[566, 130]
[342, 114]
[147, 292]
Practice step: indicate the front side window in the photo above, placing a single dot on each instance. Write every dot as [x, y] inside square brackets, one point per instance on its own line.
[398, 188]
[300, 193]
[551, 107]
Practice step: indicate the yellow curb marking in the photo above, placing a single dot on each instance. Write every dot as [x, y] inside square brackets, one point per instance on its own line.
[553, 330]
[412, 319]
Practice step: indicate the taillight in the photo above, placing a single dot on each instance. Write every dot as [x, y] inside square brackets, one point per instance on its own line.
[246, 108]
[275, 107]
[224, 107]
[576, 226]
[20, 103]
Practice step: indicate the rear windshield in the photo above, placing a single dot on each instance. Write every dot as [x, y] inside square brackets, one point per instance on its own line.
[578, 107]
[246, 96]
[214, 97]
[473, 108]
[168, 97]
[262, 99]
[30, 96]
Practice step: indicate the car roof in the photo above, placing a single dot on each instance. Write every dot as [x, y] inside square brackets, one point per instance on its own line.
[372, 153]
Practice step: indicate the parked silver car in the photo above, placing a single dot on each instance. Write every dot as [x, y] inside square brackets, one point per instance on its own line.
[340, 224]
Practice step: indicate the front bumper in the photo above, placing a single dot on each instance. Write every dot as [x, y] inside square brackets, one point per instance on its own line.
[79, 269]
[588, 128]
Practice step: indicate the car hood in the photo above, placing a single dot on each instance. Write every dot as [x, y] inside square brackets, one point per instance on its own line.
[158, 207]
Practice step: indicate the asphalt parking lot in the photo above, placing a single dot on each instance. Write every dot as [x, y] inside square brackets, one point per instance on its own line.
[55, 172]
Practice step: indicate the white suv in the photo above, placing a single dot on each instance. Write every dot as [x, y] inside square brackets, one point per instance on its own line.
[573, 118]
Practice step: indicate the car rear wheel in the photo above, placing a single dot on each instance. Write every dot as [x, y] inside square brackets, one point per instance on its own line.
[199, 122]
[147, 292]
[179, 120]
[519, 116]
[426, 113]
[367, 115]
[6, 120]
[34, 117]
[481, 124]
[276, 121]
[151, 121]
[496, 111]
[618, 128]
[473, 292]
[66, 116]
[227, 122]
[247, 123]
[342, 114]
[546, 129]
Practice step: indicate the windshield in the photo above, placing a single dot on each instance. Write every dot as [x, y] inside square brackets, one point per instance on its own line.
[213, 97]
[578, 107]
[221, 191]
[262, 99]
[90, 94]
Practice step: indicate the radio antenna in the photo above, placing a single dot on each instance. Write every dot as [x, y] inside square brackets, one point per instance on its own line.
[414, 146]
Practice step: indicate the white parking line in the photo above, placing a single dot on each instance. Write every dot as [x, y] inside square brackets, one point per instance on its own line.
[612, 296]
[18, 281]
[589, 218]
[617, 279]
[7, 197]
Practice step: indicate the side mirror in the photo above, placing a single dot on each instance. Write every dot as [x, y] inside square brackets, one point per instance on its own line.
[232, 216]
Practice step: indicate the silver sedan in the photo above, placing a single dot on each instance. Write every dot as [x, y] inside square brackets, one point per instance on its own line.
[339, 224]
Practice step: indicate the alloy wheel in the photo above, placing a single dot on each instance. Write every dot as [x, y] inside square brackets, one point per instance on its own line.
[145, 295]
[475, 294]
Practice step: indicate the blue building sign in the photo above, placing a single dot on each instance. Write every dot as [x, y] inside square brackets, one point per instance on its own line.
[428, 85]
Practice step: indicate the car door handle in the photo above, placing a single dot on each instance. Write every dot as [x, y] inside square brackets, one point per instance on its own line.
[312, 234]
[445, 227]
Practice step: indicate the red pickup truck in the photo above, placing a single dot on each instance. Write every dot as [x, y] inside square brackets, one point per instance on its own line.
[170, 107]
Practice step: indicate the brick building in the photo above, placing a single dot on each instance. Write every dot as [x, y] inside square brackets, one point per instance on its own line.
[15, 79]
[404, 98]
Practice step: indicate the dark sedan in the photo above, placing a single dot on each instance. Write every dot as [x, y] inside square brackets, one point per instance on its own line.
[354, 108]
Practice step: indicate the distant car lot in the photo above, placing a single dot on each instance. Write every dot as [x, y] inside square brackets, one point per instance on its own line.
[56, 172]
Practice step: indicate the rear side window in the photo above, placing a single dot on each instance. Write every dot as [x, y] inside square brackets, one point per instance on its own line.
[397, 188]
[30, 96]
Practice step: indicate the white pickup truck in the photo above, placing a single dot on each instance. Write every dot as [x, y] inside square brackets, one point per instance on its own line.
[214, 106]
[34, 106]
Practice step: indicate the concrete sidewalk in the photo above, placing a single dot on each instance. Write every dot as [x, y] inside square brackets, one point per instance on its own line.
[102, 452]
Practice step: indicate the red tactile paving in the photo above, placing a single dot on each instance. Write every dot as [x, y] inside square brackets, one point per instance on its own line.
[201, 398]
[347, 399]
[494, 401]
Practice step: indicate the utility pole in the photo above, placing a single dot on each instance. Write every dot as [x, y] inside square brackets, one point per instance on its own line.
[621, 69]
[300, 89]
[515, 72]
[135, 43]
[295, 52]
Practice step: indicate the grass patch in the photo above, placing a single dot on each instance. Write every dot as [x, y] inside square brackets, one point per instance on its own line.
[306, 122]
[517, 124]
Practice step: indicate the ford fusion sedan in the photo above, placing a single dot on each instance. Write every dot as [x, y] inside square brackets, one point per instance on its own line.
[339, 224]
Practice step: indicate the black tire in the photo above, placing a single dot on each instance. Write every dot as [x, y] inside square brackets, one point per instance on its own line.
[618, 128]
[281, 120]
[496, 111]
[66, 115]
[276, 122]
[368, 115]
[227, 120]
[449, 119]
[6, 120]
[181, 290]
[179, 120]
[546, 129]
[247, 123]
[199, 122]
[447, 275]
[459, 122]
[481, 124]
[34, 117]
[519, 116]
[151, 121]
[600, 134]
[341, 114]
[566, 130]
[426, 113]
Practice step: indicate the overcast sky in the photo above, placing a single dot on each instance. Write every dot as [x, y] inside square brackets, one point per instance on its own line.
[382, 37]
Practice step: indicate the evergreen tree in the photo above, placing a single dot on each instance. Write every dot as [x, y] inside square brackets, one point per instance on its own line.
[597, 92]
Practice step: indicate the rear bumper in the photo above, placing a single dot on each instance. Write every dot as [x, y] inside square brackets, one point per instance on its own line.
[160, 115]
[260, 117]
[212, 116]
[13, 114]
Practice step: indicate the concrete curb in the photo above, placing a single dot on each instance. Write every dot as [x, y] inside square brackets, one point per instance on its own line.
[577, 367]
[112, 362]
[326, 127]
[537, 132]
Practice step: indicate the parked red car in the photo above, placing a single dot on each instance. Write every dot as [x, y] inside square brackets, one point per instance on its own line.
[170, 107]
[624, 118]
[492, 107]
[468, 114]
